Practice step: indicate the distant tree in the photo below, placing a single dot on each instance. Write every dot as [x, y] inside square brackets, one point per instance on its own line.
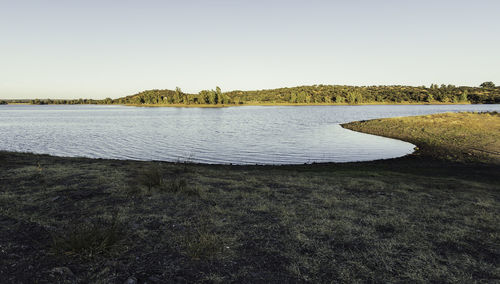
[301, 97]
[429, 98]
[463, 96]
[350, 98]
[219, 96]
[177, 99]
[359, 97]
[204, 96]
[314, 94]
[212, 97]
[354, 97]
[487, 85]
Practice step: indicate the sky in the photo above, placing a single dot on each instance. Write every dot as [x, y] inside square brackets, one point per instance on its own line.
[97, 49]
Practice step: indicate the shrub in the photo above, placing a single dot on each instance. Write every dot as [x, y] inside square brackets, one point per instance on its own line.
[151, 177]
[89, 238]
[180, 185]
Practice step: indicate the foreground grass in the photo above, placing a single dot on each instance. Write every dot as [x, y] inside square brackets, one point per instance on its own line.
[462, 136]
[413, 219]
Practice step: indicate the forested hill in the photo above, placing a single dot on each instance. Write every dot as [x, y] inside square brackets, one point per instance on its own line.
[316, 94]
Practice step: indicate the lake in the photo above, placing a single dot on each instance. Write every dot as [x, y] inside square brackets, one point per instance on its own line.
[233, 135]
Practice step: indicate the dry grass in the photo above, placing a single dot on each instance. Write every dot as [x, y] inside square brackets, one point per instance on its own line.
[453, 136]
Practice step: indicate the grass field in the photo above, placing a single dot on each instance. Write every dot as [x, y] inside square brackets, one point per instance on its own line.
[422, 218]
[461, 136]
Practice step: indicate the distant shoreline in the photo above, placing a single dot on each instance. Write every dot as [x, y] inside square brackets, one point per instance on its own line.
[487, 93]
[286, 104]
[259, 104]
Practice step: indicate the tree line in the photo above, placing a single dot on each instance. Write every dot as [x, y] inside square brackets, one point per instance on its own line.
[486, 93]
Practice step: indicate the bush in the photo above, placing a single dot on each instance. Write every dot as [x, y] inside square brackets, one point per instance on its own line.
[89, 238]
[487, 85]
[151, 177]
[180, 185]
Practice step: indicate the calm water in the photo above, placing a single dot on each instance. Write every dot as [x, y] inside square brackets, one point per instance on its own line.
[238, 135]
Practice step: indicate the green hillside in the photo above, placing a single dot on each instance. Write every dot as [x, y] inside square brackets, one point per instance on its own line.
[316, 94]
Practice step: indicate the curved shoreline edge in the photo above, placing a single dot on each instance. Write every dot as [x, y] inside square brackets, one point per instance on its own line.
[237, 165]
[393, 128]
[454, 136]
[348, 126]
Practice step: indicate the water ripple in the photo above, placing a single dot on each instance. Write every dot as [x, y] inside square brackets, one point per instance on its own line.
[238, 135]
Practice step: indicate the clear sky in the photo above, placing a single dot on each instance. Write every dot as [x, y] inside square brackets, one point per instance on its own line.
[98, 49]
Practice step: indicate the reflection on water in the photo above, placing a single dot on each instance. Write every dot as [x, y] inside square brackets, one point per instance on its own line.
[237, 135]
